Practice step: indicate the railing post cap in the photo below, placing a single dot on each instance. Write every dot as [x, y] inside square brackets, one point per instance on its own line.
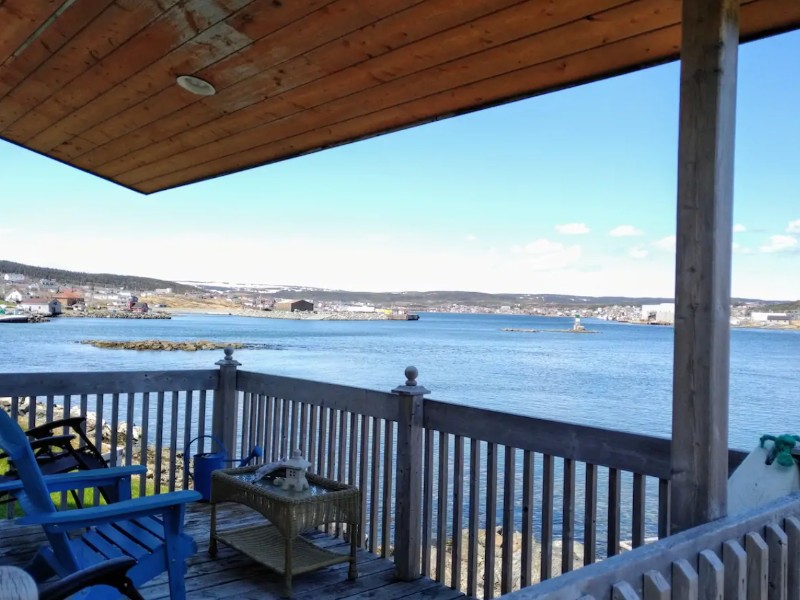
[228, 361]
[411, 388]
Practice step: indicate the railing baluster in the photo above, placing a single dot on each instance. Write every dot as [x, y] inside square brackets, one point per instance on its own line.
[201, 422]
[363, 474]
[173, 440]
[293, 427]
[10, 506]
[269, 410]
[342, 455]
[778, 543]
[441, 517]
[509, 479]
[98, 436]
[304, 428]
[323, 433]
[590, 516]
[330, 473]
[614, 485]
[663, 508]
[285, 450]
[639, 496]
[32, 412]
[491, 519]
[144, 442]
[792, 527]
[568, 517]
[159, 440]
[312, 441]
[248, 419]
[458, 511]
[263, 409]
[548, 476]
[130, 402]
[66, 412]
[526, 562]
[427, 503]
[114, 429]
[187, 437]
[274, 406]
[388, 455]
[49, 408]
[757, 565]
[474, 515]
[374, 485]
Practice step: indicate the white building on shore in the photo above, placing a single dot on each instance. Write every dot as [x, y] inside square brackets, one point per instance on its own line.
[659, 313]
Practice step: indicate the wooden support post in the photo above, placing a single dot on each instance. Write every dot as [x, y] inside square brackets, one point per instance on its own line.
[408, 506]
[224, 419]
[703, 261]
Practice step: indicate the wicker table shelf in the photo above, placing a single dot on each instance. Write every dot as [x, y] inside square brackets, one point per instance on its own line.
[277, 545]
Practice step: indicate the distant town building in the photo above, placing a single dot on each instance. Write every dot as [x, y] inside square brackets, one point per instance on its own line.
[659, 313]
[357, 308]
[294, 305]
[41, 306]
[13, 277]
[69, 297]
[163, 290]
[14, 296]
[763, 317]
[139, 307]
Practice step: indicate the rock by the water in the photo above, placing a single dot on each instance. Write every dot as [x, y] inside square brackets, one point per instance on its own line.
[190, 346]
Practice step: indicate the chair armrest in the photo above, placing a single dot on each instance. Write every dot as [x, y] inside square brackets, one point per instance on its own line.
[126, 509]
[80, 479]
[59, 441]
[46, 429]
[109, 572]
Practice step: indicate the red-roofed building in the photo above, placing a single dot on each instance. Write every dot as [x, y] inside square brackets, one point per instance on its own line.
[69, 297]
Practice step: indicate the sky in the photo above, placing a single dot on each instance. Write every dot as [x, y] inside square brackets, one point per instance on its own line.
[572, 192]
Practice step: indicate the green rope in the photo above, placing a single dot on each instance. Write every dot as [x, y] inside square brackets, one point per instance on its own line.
[781, 450]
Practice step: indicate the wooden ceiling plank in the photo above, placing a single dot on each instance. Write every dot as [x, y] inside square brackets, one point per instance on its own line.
[21, 19]
[63, 29]
[620, 57]
[617, 56]
[617, 23]
[173, 28]
[153, 93]
[225, 74]
[218, 40]
[501, 26]
[114, 26]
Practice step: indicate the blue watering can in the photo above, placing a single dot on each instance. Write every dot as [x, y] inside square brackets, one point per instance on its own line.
[207, 462]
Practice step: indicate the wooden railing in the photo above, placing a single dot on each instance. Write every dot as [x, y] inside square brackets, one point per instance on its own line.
[752, 555]
[168, 408]
[486, 502]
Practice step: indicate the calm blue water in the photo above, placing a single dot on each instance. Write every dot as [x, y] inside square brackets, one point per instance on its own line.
[619, 378]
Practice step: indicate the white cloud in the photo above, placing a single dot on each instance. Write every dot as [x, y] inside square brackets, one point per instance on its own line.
[739, 228]
[780, 243]
[739, 249]
[572, 229]
[794, 226]
[666, 243]
[638, 252]
[470, 238]
[625, 231]
[544, 255]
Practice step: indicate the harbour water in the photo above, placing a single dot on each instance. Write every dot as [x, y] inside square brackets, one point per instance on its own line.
[620, 378]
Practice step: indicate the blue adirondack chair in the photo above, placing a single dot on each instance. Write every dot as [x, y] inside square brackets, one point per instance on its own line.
[148, 529]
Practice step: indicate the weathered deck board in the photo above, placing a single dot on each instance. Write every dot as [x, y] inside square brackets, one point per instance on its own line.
[232, 574]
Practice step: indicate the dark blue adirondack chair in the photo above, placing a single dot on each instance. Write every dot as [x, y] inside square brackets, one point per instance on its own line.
[148, 529]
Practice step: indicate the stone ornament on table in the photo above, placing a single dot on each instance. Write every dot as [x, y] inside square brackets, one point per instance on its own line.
[296, 468]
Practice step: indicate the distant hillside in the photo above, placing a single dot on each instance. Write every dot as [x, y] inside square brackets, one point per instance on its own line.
[129, 282]
[422, 300]
[785, 306]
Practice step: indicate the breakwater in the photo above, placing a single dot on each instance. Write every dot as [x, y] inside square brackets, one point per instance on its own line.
[167, 345]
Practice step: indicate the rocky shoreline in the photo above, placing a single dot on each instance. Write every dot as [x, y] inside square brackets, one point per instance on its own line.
[170, 346]
[281, 314]
[115, 314]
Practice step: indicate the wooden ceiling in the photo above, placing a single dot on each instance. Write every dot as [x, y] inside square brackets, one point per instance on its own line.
[92, 82]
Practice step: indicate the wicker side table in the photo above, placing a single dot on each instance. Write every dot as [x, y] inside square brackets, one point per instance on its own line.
[277, 544]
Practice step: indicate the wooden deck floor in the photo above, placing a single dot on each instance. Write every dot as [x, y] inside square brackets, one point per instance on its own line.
[232, 575]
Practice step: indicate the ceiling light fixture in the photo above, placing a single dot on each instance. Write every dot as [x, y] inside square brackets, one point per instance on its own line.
[196, 86]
